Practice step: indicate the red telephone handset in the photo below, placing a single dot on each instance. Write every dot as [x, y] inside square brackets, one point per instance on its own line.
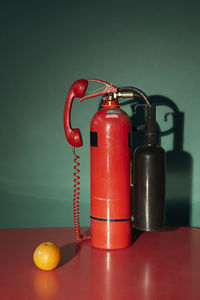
[73, 135]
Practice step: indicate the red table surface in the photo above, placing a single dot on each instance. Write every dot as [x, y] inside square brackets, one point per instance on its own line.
[159, 265]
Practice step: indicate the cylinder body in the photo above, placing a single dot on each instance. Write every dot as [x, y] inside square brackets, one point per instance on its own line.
[110, 178]
[149, 188]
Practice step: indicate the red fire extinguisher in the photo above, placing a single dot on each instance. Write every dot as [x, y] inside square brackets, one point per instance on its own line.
[110, 159]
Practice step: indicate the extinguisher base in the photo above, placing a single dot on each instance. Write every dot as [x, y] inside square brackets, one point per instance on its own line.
[110, 235]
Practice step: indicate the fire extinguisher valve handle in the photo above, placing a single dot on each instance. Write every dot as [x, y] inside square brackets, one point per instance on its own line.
[109, 88]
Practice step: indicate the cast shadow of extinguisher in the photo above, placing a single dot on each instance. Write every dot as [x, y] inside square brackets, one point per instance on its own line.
[179, 167]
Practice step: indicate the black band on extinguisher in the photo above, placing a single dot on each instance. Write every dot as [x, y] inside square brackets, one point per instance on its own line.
[93, 139]
[110, 220]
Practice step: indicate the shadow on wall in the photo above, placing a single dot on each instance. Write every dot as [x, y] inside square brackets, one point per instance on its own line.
[178, 162]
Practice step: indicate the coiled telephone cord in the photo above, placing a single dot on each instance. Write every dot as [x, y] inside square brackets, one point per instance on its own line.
[77, 232]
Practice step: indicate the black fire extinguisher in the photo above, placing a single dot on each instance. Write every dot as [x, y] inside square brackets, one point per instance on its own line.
[149, 178]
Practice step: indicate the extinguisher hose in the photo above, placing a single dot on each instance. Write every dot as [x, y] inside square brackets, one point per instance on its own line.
[77, 231]
[137, 92]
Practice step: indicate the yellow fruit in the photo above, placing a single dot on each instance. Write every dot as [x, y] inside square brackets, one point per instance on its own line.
[47, 256]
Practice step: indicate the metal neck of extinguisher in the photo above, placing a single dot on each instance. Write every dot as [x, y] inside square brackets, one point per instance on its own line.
[150, 124]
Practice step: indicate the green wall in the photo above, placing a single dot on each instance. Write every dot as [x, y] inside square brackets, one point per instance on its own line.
[45, 47]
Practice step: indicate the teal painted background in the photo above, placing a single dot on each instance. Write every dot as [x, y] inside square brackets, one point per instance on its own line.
[45, 47]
